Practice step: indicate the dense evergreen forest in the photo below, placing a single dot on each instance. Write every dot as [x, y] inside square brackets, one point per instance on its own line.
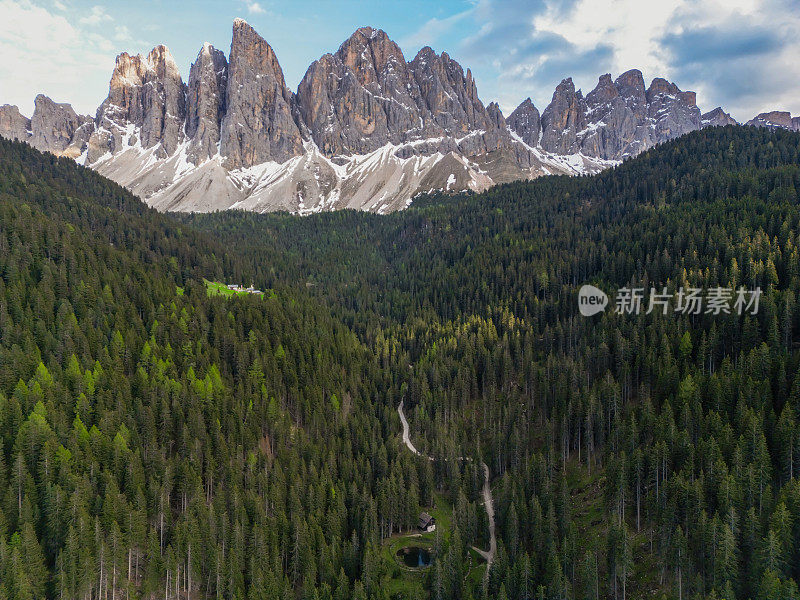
[158, 442]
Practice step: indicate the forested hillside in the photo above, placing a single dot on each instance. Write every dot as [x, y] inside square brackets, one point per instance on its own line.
[631, 456]
[158, 442]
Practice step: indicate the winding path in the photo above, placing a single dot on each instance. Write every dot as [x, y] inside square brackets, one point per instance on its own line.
[488, 502]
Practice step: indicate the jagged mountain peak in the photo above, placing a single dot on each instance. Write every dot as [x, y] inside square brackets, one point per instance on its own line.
[563, 119]
[13, 125]
[427, 54]
[566, 86]
[366, 95]
[248, 47]
[424, 52]
[367, 37]
[129, 68]
[206, 94]
[54, 126]
[659, 85]
[161, 54]
[371, 55]
[42, 101]
[145, 106]
[496, 115]
[618, 118]
[631, 77]
[369, 33]
[604, 91]
[258, 125]
[525, 121]
[206, 49]
[717, 118]
[631, 83]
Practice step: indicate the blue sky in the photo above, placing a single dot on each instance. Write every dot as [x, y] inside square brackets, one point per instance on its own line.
[741, 54]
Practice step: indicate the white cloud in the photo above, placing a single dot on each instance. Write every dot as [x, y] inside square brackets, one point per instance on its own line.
[741, 54]
[630, 27]
[122, 33]
[254, 8]
[44, 53]
[96, 16]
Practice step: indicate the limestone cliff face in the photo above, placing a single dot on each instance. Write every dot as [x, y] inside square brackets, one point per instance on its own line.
[525, 121]
[449, 93]
[563, 119]
[717, 118]
[617, 119]
[258, 125]
[13, 125]
[54, 127]
[776, 118]
[361, 97]
[630, 86]
[148, 94]
[58, 129]
[671, 111]
[366, 95]
[205, 106]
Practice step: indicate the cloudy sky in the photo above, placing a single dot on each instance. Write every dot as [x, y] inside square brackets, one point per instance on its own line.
[741, 54]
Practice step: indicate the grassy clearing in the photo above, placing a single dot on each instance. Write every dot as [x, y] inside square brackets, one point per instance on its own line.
[443, 513]
[400, 581]
[404, 583]
[215, 288]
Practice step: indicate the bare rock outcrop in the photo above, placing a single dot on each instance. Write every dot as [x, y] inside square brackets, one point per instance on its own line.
[717, 118]
[366, 95]
[56, 128]
[671, 111]
[13, 125]
[146, 105]
[361, 97]
[205, 106]
[563, 119]
[776, 118]
[258, 125]
[617, 119]
[525, 121]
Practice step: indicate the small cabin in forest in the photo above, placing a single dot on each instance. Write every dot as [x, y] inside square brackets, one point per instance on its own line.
[427, 522]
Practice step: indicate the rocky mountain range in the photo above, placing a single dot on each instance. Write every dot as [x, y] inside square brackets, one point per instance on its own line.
[366, 129]
[776, 118]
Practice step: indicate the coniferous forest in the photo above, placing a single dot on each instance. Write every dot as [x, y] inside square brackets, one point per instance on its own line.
[160, 442]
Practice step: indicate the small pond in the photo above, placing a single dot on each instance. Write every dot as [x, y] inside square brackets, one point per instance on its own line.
[414, 557]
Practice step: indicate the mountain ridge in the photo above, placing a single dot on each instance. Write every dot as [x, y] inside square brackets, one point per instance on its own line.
[365, 129]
